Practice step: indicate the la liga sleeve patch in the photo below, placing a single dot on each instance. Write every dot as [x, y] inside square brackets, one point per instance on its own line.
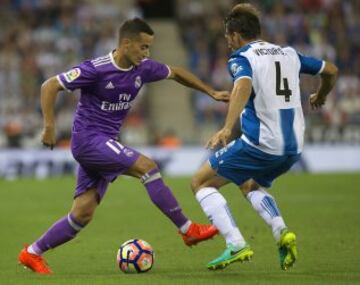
[72, 74]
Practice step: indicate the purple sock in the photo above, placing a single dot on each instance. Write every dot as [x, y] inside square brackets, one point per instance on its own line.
[163, 198]
[61, 232]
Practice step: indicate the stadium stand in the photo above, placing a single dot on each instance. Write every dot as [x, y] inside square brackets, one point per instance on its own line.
[40, 38]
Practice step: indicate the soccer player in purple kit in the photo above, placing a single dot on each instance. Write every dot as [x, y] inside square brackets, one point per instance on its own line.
[108, 85]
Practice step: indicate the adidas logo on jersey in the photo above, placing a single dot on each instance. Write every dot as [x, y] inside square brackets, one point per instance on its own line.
[109, 85]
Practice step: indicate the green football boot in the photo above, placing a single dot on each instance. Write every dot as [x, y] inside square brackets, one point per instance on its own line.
[287, 249]
[230, 255]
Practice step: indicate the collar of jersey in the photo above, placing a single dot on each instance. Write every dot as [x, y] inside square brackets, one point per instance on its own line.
[116, 66]
[244, 48]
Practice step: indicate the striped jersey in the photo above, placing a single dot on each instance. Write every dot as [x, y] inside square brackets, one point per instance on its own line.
[272, 120]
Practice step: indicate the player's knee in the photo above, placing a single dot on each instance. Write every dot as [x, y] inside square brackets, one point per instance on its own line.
[245, 187]
[83, 216]
[195, 184]
[148, 165]
[84, 206]
[248, 186]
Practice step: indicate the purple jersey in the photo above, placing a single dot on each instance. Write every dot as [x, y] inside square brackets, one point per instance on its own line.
[107, 91]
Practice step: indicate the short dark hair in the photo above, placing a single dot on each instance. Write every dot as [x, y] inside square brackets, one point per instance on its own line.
[244, 19]
[133, 27]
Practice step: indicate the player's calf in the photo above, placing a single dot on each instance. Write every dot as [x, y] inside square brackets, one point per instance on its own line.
[163, 198]
[59, 233]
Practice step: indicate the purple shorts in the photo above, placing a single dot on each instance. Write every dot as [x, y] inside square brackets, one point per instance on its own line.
[101, 160]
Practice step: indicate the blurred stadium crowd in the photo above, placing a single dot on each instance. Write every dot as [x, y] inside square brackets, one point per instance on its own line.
[328, 29]
[40, 38]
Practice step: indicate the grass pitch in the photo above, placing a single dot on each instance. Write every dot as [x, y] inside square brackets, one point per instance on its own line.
[323, 210]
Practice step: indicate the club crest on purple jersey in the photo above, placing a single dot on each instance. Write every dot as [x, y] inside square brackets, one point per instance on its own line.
[138, 82]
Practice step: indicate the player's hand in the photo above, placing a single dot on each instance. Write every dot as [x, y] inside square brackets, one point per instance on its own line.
[221, 137]
[48, 137]
[316, 101]
[222, 96]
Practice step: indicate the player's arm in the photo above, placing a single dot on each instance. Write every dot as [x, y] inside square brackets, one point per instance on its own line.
[188, 79]
[239, 97]
[328, 73]
[236, 131]
[49, 90]
[328, 77]
[81, 76]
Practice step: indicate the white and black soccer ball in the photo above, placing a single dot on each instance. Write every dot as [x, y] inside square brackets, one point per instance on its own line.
[135, 256]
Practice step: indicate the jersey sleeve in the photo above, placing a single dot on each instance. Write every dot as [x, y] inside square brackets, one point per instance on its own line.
[239, 67]
[81, 76]
[155, 71]
[310, 65]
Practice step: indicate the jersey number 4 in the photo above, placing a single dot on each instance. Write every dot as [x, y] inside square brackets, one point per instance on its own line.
[282, 92]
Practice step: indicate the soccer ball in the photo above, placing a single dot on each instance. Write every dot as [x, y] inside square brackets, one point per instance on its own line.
[135, 256]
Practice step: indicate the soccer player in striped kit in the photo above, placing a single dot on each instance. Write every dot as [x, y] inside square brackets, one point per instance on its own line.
[266, 97]
[108, 86]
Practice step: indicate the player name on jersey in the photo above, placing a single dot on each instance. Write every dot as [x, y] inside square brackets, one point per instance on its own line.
[269, 51]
